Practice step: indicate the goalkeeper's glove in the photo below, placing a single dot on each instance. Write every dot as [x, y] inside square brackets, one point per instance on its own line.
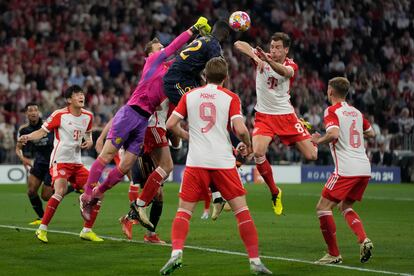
[201, 26]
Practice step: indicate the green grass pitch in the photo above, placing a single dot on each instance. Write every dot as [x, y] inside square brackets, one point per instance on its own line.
[290, 242]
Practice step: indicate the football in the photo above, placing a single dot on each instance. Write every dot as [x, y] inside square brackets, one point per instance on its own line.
[239, 21]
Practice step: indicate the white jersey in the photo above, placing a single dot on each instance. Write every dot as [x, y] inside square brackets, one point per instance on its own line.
[273, 90]
[69, 131]
[348, 151]
[159, 117]
[210, 110]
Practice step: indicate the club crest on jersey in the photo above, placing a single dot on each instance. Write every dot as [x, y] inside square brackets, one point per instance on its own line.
[118, 140]
[62, 172]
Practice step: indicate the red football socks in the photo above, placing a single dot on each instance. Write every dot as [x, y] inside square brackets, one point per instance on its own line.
[328, 228]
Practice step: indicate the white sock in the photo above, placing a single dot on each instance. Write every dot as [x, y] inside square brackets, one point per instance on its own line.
[43, 227]
[256, 261]
[140, 202]
[86, 230]
[175, 252]
[216, 195]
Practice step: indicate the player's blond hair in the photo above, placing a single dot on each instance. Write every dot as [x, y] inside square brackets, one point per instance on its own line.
[216, 70]
[340, 85]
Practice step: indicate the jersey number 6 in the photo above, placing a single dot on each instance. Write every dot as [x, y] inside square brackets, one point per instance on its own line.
[208, 114]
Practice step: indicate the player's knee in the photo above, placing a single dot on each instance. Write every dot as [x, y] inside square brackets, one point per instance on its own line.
[31, 192]
[46, 196]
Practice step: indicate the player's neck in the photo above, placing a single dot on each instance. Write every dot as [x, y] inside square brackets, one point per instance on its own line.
[33, 123]
[337, 100]
[77, 111]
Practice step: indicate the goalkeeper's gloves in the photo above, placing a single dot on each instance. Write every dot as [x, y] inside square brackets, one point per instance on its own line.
[201, 26]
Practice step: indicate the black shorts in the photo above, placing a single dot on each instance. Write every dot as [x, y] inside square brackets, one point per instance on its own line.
[41, 171]
[176, 89]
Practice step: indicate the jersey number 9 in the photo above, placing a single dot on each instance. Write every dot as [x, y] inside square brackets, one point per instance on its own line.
[208, 114]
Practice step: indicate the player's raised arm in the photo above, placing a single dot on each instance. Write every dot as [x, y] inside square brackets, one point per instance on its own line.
[247, 50]
[201, 26]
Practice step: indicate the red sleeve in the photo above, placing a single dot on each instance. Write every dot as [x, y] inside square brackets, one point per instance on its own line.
[181, 109]
[90, 123]
[52, 122]
[330, 118]
[235, 107]
[365, 124]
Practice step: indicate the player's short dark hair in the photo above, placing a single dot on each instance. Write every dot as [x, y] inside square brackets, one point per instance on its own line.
[216, 70]
[26, 107]
[284, 37]
[148, 46]
[71, 90]
[340, 85]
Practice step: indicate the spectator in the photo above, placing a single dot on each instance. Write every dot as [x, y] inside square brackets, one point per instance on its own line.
[382, 157]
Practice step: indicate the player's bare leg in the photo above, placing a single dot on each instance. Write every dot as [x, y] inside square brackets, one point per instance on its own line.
[33, 185]
[60, 186]
[179, 231]
[328, 228]
[248, 234]
[162, 157]
[260, 145]
[308, 149]
[105, 157]
[355, 223]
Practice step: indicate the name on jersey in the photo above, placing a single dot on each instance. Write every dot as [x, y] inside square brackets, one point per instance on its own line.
[350, 114]
[208, 96]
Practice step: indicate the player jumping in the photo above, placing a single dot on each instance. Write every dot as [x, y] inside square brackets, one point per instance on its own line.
[274, 113]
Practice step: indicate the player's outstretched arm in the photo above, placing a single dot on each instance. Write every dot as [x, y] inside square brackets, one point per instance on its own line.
[201, 26]
[331, 135]
[247, 50]
[35, 135]
[173, 125]
[285, 71]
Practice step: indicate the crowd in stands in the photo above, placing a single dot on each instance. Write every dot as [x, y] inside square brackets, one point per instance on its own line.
[45, 46]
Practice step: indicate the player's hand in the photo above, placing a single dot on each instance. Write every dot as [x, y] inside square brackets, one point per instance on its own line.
[261, 54]
[23, 139]
[242, 149]
[315, 137]
[202, 26]
[87, 144]
[99, 145]
[27, 163]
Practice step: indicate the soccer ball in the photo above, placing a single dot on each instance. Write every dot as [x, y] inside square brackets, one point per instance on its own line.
[239, 21]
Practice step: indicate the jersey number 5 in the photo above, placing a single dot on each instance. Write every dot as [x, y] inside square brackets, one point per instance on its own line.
[195, 46]
[208, 114]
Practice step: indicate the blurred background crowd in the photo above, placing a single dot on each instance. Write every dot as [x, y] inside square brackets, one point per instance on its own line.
[45, 46]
